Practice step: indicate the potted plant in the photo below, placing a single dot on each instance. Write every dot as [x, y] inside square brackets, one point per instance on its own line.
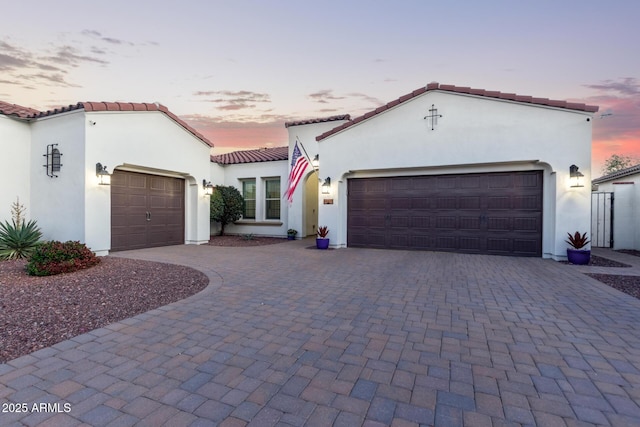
[578, 255]
[322, 241]
[291, 234]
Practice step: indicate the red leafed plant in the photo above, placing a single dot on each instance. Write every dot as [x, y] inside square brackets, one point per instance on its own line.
[323, 232]
[578, 241]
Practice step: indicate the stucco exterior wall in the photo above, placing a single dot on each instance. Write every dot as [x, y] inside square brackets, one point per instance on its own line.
[299, 216]
[232, 175]
[58, 203]
[15, 145]
[626, 220]
[474, 134]
[147, 142]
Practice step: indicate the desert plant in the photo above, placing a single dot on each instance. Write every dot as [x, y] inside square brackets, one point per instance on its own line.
[55, 257]
[578, 241]
[292, 232]
[249, 236]
[17, 211]
[323, 232]
[18, 239]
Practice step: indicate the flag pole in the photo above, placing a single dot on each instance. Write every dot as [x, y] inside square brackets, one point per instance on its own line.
[305, 151]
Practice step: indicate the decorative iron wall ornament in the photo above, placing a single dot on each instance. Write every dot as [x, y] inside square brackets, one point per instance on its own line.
[433, 115]
[53, 160]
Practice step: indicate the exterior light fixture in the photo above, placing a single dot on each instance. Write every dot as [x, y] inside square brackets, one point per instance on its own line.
[326, 186]
[208, 187]
[316, 162]
[575, 176]
[104, 177]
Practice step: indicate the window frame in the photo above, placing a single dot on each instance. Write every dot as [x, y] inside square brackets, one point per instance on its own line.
[243, 182]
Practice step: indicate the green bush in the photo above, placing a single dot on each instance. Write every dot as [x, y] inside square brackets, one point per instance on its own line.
[227, 206]
[55, 257]
[18, 239]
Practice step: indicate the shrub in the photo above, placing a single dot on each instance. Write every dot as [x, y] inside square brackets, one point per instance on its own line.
[55, 257]
[18, 239]
[227, 206]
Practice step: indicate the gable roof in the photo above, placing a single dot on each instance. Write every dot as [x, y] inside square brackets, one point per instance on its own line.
[30, 113]
[618, 174]
[468, 91]
[318, 120]
[252, 156]
[16, 110]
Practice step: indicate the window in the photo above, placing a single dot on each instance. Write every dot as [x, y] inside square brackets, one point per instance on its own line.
[272, 198]
[249, 195]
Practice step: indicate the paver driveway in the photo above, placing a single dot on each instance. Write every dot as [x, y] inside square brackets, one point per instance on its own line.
[286, 335]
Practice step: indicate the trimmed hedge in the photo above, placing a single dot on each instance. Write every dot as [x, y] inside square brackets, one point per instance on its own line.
[55, 257]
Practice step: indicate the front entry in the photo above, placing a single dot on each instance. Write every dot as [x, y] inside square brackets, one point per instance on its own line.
[146, 210]
[487, 213]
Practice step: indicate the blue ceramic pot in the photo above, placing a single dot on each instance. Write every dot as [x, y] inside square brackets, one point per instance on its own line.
[578, 256]
[322, 243]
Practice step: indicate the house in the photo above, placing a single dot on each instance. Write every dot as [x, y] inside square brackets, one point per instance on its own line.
[616, 214]
[449, 168]
[443, 168]
[156, 162]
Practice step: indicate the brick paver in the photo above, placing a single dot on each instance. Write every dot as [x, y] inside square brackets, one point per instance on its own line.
[286, 335]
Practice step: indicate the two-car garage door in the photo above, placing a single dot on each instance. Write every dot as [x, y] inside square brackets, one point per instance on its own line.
[146, 210]
[487, 213]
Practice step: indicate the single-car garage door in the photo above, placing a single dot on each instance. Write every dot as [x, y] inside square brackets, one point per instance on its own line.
[488, 213]
[146, 211]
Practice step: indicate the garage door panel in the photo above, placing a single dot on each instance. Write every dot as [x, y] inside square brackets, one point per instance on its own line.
[146, 211]
[469, 202]
[469, 223]
[496, 213]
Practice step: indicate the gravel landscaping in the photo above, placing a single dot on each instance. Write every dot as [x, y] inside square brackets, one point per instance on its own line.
[37, 312]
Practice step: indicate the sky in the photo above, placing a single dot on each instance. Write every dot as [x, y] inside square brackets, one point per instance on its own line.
[238, 70]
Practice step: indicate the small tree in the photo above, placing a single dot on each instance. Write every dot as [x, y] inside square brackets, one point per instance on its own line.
[227, 205]
[616, 162]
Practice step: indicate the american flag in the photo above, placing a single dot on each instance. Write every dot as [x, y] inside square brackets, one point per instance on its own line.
[299, 164]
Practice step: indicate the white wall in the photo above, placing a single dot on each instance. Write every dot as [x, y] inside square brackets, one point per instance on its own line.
[231, 175]
[58, 203]
[626, 217]
[147, 142]
[474, 134]
[299, 217]
[15, 146]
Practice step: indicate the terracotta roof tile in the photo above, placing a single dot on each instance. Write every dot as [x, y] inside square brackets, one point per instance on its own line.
[317, 120]
[252, 156]
[467, 90]
[29, 113]
[16, 110]
[619, 174]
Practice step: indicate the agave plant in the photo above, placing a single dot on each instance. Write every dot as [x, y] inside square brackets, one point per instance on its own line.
[18, 240]
[578, 241]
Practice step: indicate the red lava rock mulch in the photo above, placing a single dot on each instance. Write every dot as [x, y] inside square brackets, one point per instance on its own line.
[37, 312]
[627, 284]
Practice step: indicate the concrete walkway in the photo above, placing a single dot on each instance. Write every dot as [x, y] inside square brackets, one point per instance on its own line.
[290, 336]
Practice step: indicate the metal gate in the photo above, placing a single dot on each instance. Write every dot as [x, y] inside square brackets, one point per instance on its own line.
[602, 220]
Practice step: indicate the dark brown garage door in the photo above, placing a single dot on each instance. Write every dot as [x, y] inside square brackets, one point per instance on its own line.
[146, 211]
[490, 213]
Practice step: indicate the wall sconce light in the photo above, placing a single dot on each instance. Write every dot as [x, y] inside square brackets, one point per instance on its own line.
[316, 162]
[326, 186]
[104, 177]
[575, 176]
[208, 187]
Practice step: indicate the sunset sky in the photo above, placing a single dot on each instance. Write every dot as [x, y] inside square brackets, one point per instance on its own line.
[237, 70]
